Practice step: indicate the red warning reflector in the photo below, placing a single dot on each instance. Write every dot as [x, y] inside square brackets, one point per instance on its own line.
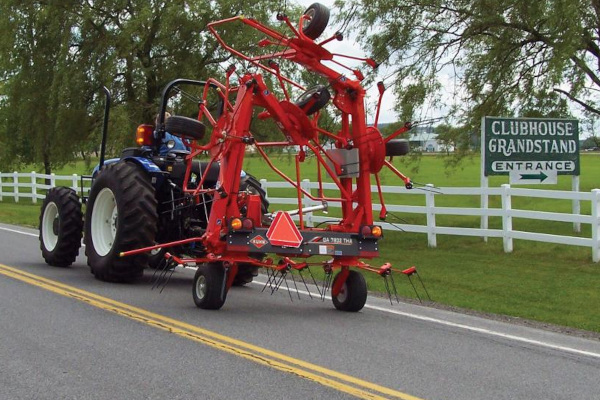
[283, 231]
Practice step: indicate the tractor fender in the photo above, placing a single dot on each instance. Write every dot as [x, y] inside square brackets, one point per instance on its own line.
[147, 165]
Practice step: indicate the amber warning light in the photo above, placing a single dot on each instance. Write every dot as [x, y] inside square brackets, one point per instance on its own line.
[144, 135]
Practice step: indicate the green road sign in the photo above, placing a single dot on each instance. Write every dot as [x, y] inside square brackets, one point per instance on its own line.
[532, 146]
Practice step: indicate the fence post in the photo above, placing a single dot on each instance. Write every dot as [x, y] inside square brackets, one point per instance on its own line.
[430, 205]
[33, 187]
[596, 225]
[576, 204]
[16, 186]
[74, 183]
[307, 202]
[1, 186]
[263, 184]
[507, 219]
[52, 180]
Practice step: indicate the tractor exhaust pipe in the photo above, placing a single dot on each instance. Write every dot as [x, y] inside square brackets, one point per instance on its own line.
[104, 127]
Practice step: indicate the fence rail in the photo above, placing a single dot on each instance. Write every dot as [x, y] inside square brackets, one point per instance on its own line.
[33, 186]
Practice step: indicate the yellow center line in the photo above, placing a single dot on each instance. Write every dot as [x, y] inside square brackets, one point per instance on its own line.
[312, 372]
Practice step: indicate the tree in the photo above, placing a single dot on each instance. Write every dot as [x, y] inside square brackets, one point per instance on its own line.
[56, 55]
[41, 84]
[505, 55]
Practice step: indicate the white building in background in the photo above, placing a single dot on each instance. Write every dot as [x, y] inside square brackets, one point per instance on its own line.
[424, 138]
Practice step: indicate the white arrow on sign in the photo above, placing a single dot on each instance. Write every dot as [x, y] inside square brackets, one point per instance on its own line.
[538, 176]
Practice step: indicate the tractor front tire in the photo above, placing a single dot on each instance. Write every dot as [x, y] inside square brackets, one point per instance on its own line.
[156, 258]
[120, 216]
[210, 286]
[353, 294]
[61, 227]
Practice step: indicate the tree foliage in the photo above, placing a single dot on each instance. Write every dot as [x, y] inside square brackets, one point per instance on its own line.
[55, 56]
[507, 56]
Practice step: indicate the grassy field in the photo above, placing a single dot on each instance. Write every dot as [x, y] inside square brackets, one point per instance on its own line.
[551, 283]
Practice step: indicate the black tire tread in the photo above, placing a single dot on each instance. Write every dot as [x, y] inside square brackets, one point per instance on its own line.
[357, 293]
[317, 25]
[215, 276]
[320, 93]
[186, 127]
[247, 272]
[70, 230]
[137, 223]
[397, 147]
[250, 182]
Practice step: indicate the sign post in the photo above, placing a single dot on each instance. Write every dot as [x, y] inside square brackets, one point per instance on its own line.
[530, 151]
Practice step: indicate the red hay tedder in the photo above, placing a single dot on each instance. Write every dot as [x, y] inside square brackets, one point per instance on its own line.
[239, 232]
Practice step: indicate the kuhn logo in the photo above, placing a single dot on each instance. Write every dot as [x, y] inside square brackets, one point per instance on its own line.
[259, 241]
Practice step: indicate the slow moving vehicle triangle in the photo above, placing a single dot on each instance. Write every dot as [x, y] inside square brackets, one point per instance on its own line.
[283, 231]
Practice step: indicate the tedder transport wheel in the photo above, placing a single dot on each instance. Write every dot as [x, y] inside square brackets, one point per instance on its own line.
[319, 93]
[247, 272]
[121, 215]
[353, 294]
[210, 286]
[61, 227]
[319, 18]
[397, 147]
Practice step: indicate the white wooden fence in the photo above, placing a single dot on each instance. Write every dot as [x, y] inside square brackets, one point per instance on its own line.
[32, 186]
[505, 212]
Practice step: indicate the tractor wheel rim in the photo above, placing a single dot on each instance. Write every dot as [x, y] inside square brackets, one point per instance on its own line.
[311, 15]
[343, 294]
[104, 223]
[201, 287]
[49, 226]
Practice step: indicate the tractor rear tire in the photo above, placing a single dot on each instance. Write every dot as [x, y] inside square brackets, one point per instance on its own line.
[353, 294]
[210, 286]
[319, 18]
[250, 184]
[61, 227]
[121, 215]
[247, 272]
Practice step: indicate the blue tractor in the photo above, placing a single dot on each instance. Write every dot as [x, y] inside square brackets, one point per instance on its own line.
[137, 201]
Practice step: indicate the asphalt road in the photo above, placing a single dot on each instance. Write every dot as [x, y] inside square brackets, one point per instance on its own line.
[66, 335]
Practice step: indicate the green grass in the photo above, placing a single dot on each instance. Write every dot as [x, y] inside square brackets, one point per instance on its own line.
[551, 283]
[23, 213]
[539, 281]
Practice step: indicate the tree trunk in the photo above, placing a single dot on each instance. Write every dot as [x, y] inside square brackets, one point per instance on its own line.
[47, 166]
